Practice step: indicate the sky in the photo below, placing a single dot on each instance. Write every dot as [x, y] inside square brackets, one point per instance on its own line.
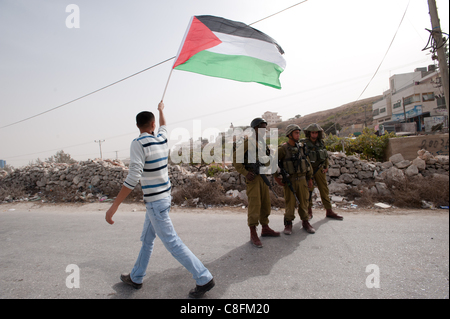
[332, 49]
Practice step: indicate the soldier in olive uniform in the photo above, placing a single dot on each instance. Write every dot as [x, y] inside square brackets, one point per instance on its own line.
[297, 171]
[318, 157]
[259, 206]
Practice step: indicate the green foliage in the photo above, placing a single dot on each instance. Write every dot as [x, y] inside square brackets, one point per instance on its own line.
[368, 145]
[214, 169]
[330, 127]
[61, 157]
[282, 139]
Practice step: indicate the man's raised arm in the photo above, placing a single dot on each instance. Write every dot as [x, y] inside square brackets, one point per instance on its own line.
[162, 119]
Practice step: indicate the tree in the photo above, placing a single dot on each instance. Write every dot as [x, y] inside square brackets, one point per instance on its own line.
[61, 157]
[329, 128]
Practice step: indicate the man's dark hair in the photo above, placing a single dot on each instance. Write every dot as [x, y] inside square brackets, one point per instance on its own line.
[144, 119]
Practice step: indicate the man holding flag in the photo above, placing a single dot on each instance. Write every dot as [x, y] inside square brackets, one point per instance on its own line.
[148, 165]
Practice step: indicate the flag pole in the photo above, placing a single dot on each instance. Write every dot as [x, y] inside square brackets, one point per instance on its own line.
[167, 84]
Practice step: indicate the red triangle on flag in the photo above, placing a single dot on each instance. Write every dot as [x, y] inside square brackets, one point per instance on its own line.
[198, 38]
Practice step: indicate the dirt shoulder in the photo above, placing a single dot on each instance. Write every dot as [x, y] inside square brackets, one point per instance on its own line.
[134, 207]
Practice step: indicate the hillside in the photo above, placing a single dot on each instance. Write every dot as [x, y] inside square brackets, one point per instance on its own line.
[346, 115]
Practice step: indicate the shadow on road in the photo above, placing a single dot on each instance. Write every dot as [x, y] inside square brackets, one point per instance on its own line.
[238, 265]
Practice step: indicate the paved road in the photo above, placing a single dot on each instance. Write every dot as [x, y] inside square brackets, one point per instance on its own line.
[411, 252]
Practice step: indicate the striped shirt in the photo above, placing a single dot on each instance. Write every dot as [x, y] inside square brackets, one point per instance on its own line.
[149, 157]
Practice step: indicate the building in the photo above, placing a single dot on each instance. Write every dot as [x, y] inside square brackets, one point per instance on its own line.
[2, 164]
[418, 95]
[272, 118]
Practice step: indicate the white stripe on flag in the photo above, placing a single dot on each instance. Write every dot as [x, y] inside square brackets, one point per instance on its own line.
[234, 45]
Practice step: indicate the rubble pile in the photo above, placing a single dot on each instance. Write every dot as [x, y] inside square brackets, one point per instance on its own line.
[106, 177]
[98, 176]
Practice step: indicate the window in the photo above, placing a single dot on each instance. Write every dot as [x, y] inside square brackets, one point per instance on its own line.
[411, 99]
[376, 112]
[383, 110]
[398, 104]
[441, 103]
[428, 97]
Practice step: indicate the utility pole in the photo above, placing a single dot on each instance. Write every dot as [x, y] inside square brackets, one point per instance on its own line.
[404, 109]
[100, 144]
[437, 35]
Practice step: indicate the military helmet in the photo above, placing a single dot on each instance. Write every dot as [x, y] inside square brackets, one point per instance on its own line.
[257, 121]
[314, 127]
[291, 128]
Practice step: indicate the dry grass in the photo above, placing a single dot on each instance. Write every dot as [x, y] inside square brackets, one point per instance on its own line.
[208, 193]
[59, 194]
[405, 195]
[11, 194]
[411, 193]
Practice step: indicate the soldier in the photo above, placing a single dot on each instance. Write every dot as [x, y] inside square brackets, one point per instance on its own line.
[318, 157]
[296, 170]
[257, 190]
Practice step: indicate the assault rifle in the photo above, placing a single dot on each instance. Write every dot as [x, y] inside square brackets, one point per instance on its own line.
[254, 168]
[287, 181]
[314, 173]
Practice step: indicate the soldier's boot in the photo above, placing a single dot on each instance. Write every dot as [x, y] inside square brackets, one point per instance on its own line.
[254, 237]
[269, 232]
[287, 227]
[307, 226]
[333, 215]
[310, 213]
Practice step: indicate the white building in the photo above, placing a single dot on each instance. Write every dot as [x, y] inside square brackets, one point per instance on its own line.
[272, 118]
[419, 95]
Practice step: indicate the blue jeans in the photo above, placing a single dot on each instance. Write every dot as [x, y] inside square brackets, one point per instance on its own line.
[157, 222]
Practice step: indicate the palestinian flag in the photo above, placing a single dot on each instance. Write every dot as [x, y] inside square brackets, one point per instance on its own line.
[232, 50]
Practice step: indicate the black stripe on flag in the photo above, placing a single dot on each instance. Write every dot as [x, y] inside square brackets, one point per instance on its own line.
[218, 24]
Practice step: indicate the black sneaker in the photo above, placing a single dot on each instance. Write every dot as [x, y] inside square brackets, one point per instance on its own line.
[199, 291]
[127, 279]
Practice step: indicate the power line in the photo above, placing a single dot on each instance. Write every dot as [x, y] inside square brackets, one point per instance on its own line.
[130, 76]
[278, 12]
[210, 114]
[86, 95]
[378, 68]
[390, 45]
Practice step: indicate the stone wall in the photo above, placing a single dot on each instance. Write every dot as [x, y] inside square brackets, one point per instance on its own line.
[437, 144]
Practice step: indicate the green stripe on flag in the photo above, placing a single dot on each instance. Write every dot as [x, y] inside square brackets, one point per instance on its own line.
[234, 67]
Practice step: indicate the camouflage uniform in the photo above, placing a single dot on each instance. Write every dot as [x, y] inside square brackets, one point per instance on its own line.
[318, 157]
[294, 162]
[259, 206]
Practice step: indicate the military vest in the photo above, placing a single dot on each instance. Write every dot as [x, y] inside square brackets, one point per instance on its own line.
[295, 160]
[252, 160]
[317, 153]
